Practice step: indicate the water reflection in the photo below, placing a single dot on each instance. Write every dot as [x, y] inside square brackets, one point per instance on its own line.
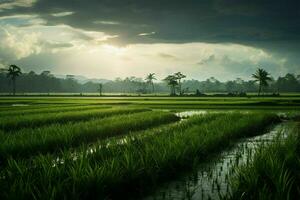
[189, 113]
[211, 180]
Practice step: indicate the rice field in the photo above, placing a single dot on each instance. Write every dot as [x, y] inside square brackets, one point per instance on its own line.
[92, 148]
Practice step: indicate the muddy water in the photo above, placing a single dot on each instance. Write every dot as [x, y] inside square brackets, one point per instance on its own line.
[211, 180]
[189, 113]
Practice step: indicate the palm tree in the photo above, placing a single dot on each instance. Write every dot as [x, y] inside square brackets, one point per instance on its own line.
[100, 89]
[13, 72]
[172, 82]
[262, 77]
[149, 79]
[179, 76]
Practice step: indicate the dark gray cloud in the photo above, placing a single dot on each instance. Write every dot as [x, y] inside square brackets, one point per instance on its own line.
[238, 21]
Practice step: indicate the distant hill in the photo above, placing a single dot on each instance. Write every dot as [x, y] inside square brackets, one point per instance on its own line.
[83, 79]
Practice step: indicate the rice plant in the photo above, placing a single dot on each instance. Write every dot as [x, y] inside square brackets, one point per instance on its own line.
[46, 110]
[131, 166]
[27, 142]
[11, 124]
[273, 172]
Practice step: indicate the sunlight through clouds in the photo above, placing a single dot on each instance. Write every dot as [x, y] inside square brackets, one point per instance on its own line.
[113, 49]
[116, 44]
[17, 45]
[197, 60]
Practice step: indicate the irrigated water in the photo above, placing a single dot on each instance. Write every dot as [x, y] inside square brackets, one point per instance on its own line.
[211, 180]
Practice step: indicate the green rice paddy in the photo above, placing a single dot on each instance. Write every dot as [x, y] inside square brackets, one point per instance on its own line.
[125, 148]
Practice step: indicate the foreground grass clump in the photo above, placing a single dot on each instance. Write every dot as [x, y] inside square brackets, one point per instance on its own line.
[133, 165]
[14, 123]
[46, 110]
[56, 137]
[274, 172]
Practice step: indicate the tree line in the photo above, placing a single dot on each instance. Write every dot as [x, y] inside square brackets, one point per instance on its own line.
[13, 80]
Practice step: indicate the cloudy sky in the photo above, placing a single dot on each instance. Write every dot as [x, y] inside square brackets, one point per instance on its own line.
[118, 38]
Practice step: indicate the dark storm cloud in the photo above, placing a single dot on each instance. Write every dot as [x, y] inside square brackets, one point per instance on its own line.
[239, 21]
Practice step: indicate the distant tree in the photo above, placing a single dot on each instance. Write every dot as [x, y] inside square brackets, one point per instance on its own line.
[198, 93]
[46, 73]
[230, 86]
[149, 79]
[13, 72]
[100, 89]
[250, 86]
[141, 88]
[288, 83]
[32, 73]
[71, 83]
[262, 77]
[132, 84]
[179, 76]
[171, 80]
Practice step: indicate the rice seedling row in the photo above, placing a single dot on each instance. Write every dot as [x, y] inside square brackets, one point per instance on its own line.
[105, 148]
[56, 137]
[32, 107]
[11, 124]
[47, 110]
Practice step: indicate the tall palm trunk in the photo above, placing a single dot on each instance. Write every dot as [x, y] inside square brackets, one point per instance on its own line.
[152, 87]
[14, 86]
[173, 90]
[259, 89]
[179, 83]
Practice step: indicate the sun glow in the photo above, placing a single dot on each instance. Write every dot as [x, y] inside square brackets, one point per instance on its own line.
[113, 49]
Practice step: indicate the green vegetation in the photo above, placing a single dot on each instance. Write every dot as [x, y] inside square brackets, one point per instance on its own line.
[273, 173]
[47, 84]
[149, 80]
[254, 102]
[27, 142]
[262, 77]
[35, 120]
[13, 72]
[47, 110]
[135, 164]
[110, 147]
